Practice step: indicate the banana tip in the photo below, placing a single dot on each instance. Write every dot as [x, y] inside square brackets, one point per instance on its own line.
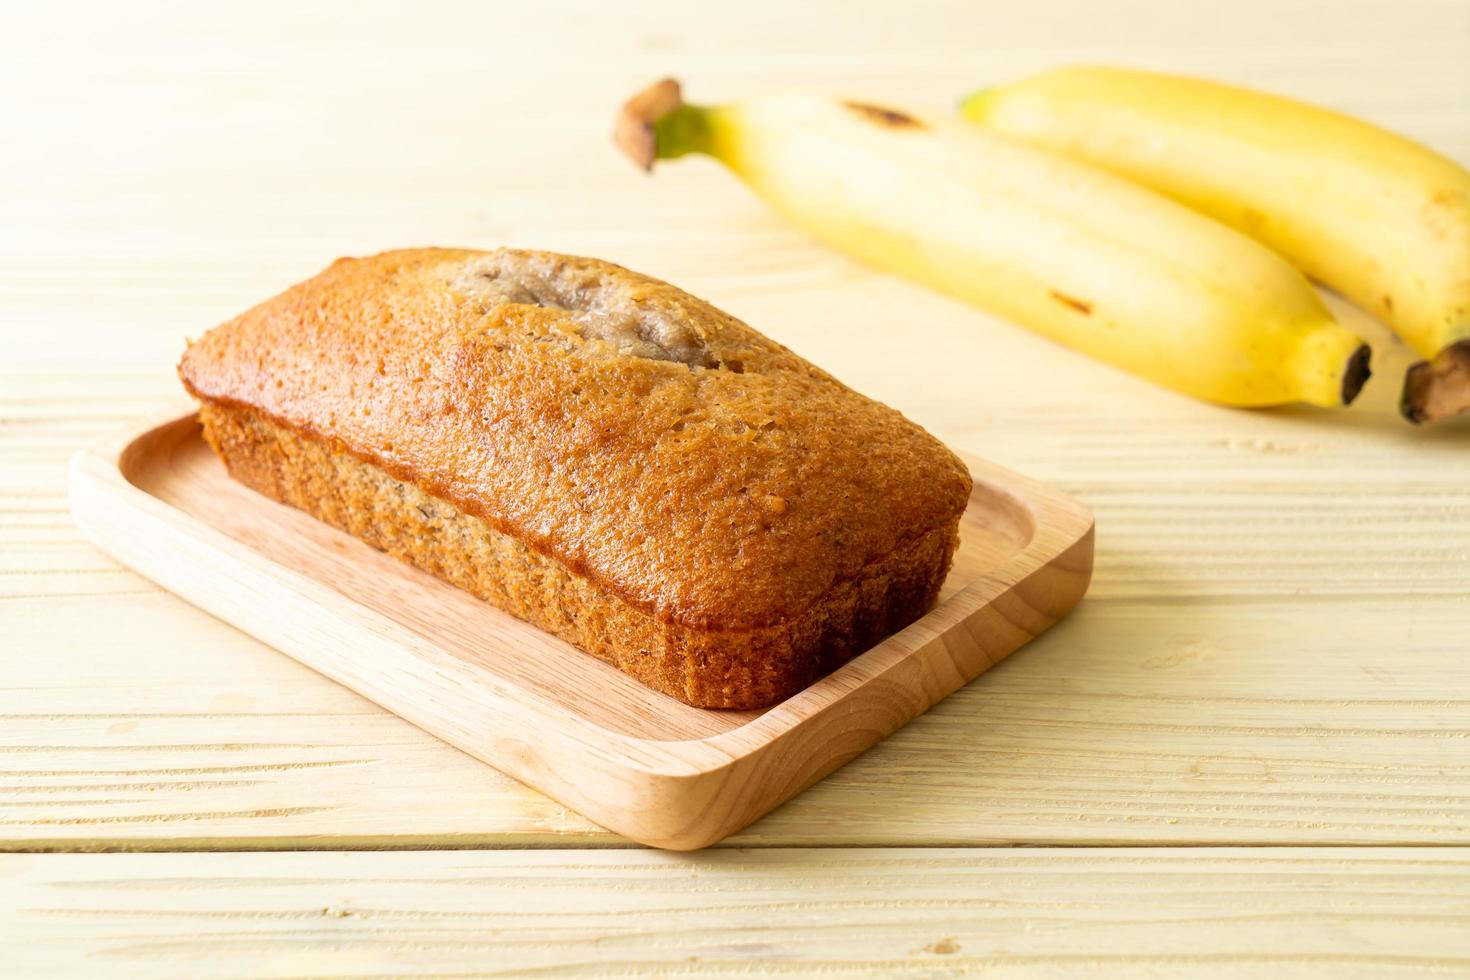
[1357, 373]
[971, 103]
[1438, 388]
[634, 132]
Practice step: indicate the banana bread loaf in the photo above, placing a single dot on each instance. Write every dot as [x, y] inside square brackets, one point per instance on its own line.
[596, 452]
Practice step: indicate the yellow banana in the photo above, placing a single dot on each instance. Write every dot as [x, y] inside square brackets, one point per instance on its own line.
[1379, 218]
[1086, 258]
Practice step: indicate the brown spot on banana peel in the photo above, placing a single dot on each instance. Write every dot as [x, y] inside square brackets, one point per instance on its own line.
[1080, 305]
[1438, 388]
[891, 118]
[634, 130]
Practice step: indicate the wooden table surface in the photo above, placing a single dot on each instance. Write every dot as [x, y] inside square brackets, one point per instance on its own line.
[1246, 753]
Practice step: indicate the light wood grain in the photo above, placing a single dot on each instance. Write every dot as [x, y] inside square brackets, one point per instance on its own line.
[899, 913]
[1273, 649]
[1120, 725]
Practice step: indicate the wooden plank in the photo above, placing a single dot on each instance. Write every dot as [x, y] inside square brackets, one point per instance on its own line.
[1129, 722]
[1262, 912]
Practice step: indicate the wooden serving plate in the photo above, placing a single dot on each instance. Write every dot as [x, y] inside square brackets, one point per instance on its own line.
[635, 761]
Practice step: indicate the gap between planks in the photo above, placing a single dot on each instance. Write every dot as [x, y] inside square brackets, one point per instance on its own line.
[399, 843]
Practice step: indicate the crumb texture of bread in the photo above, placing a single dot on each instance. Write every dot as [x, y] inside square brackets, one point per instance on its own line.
[596, 452]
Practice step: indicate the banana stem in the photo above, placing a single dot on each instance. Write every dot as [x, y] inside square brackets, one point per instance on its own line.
[1440, 387]
[656, 124]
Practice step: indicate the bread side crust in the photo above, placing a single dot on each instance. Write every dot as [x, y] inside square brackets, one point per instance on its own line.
[742, 669]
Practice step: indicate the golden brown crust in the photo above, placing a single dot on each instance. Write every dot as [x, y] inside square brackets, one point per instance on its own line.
[643, 439]
[709, 669]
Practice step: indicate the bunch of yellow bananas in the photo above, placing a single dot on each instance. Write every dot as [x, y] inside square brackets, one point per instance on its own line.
[1161, 224]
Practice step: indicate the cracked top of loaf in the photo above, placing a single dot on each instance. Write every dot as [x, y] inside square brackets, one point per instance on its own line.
[645, 439]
